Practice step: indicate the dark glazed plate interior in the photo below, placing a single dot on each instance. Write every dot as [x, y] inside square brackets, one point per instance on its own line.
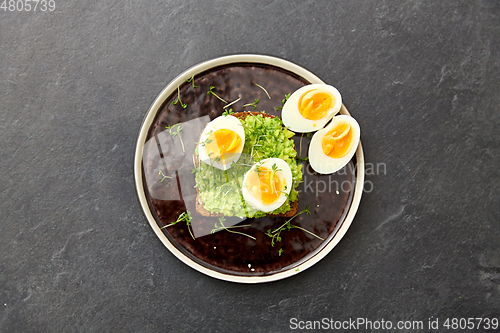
[333, 199]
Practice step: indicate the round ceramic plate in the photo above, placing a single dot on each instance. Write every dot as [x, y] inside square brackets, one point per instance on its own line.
[166, 187]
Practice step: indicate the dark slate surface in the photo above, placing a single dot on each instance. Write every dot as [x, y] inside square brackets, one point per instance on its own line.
[77, 254]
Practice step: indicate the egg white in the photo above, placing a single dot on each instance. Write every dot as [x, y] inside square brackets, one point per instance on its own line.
[222, 122]
[285, 174]
[324, 164]
[292, 117]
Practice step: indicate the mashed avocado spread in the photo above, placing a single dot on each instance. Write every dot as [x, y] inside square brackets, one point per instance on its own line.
[220, 191]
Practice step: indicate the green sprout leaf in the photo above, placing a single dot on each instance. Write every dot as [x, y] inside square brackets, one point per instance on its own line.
[254, 104]
[184, 217]
[287, 96]
[227, 112]
[275, 234]
[176, 133]
[211, 92]
[300, 159]
[164, 177]
[191, 80]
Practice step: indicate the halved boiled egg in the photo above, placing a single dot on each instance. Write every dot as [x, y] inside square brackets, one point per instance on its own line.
[222, 142]
[333, 147]
[267, 184]
[309, 108]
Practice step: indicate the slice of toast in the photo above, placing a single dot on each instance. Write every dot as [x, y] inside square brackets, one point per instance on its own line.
[200, 206]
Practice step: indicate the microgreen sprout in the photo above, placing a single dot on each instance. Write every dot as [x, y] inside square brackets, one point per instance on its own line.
[287, 96]
[206, 142]
[261, 87]
[176, 133]
[284, 189]
[300, 144]
[302, 159]
[223, 227]
[191, 80]
[178, 100]
[164, 177]
[274, 237]
[257, 169]
[227, 112]
[236, 100]
[279, 252]
[254, 104]
[184, 217]
[276, 233]
[210, 92]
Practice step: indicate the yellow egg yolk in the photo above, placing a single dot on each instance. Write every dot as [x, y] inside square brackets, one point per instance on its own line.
[337, 142]
[222, 141]
[264, 185]
[314, 104]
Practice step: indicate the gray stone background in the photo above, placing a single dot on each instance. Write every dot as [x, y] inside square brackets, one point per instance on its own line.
[77, 254]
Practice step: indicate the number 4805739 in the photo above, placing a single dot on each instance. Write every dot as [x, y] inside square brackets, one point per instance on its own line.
[28, 5]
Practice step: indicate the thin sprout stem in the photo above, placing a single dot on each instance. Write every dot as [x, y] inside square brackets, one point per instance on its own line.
[234, 226]
[300, 145]
[261, 87]
[284, 224]
[254, 104]
[273, 176]
[231, 103]
[182, 143]
[294, 226]
[191, 232]
[236, 232]
[287, 222]
[220, 98]
[240, 226]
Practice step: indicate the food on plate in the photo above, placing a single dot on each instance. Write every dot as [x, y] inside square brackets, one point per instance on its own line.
[333, 147]
[267, 184]
[309, 108]
[222, 142]
[220, 191]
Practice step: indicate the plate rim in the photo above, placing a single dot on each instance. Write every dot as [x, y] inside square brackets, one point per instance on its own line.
[143, 132]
